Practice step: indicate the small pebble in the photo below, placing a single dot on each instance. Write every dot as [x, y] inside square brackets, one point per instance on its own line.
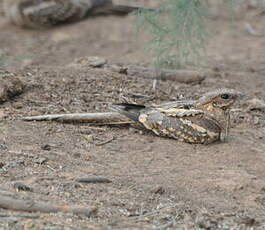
[20, 186]
[255, 120]
[46, 147]
[16, 163]
[18, 105]
[158, 190]
[40, 160]
[2, 164]
[92, 61]
[118, 69]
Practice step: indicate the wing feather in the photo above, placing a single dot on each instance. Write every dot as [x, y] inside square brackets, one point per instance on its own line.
[38, 13]
[181, 108]
[198, 128]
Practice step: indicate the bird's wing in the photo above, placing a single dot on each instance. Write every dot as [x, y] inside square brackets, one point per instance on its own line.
[178, 103]
[179, 109]
[182, 122]
[170, 109]
[42, 13]
[38, 13]
[180, 112]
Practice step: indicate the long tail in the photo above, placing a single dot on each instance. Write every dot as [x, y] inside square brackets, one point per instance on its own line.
[131, 111]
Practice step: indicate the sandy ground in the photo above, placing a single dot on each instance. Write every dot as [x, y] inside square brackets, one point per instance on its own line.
[157, 183]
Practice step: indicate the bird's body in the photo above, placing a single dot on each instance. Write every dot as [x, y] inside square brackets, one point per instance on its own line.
[45, 13]
[204, 121]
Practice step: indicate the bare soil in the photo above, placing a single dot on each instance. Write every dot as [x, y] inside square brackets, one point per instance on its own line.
[155, 182]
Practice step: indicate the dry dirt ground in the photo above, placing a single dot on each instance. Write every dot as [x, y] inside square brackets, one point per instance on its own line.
[157, 183]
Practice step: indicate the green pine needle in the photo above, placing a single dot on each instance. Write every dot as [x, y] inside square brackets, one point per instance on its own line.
[178, 31]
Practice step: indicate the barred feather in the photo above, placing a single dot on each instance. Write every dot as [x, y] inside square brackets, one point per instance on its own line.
[200, 121]
[44, 13]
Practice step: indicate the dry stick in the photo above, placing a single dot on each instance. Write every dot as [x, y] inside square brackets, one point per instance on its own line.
[93, 179]
[182, 76]
[22, 215]
[105, 142]
[29, 205]
[102, 118]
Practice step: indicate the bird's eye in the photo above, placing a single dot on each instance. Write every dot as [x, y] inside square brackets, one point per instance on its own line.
[225, 96]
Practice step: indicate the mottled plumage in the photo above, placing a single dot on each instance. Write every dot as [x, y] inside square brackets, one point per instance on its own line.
[204, 121]
[44, 13]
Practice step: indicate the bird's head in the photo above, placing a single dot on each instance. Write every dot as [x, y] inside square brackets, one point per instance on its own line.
[219, 100]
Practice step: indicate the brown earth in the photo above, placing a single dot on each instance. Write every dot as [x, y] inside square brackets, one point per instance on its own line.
[156, 182]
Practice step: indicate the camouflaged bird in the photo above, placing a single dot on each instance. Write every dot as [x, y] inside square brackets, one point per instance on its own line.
[201, 121]
[45, 13]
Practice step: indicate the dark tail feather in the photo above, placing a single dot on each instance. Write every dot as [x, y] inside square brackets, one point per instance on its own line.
[131, 111]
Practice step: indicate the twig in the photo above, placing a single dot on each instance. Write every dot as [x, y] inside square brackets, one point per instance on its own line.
[182, 76]
[102, 118]
[93, 179]
[11, 201]
[51, 168]
[139, 95]
[22, 215]
[105, 141]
